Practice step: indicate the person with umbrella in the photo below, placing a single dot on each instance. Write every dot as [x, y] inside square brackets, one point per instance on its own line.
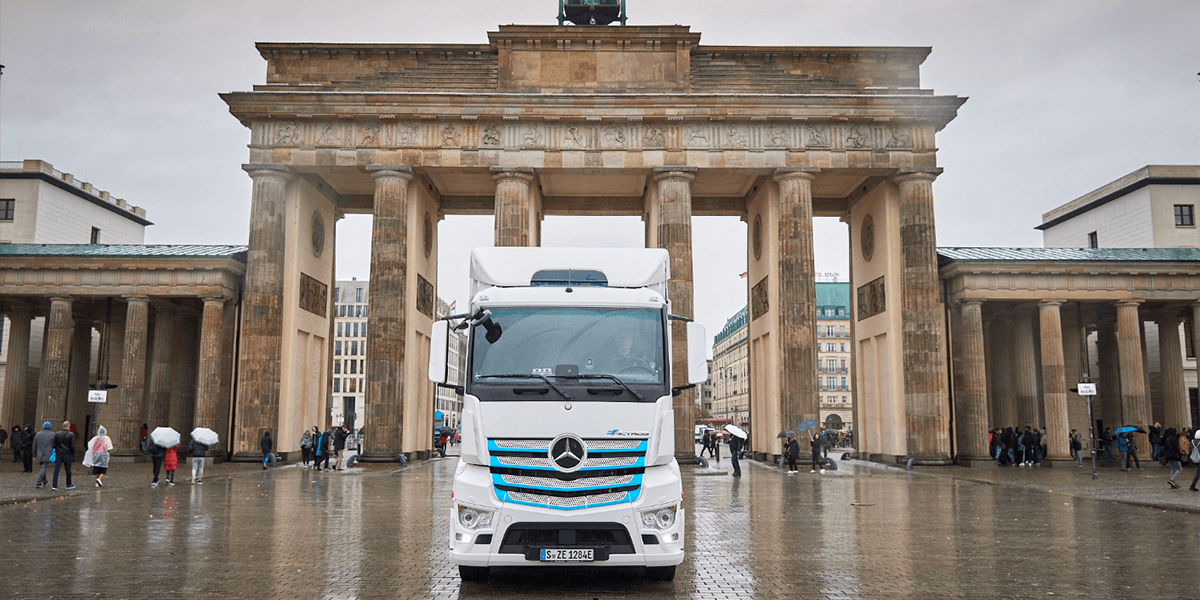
[793, 454]
[735, 447]
[197, 451]
[817, 444]
[1128, 447]
[157, 454]
[171, 463]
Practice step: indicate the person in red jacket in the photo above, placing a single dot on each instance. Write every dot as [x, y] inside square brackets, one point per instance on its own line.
[170, 463]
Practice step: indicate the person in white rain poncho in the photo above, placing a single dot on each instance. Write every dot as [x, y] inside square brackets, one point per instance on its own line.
[96, 455]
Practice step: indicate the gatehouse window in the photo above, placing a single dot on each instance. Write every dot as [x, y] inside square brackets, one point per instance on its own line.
[1183, 215]
[8, 206]
[95, 235]
[1093, 240]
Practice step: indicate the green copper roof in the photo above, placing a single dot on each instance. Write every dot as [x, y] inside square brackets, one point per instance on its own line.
[734, 323]
[948, 255]
[124, 250]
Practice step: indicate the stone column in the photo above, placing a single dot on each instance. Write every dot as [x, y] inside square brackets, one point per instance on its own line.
[55, 375]
[970, 400]
[1196, 330]
[1054, 382]
[81, 362]
[1006, 403]
[133, 378]
[1176, 412]
[675, 235]
[1025, 372]
[928, 436]
[1107, 405]
[183, 374]
[16, 374]
[208, 381]
[387, 326]
[158, 394]
[1133, 382]
[513, 206]
[261, 352]
[797, 304]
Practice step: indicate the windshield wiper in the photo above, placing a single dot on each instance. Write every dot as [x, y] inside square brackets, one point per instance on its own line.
[530, 376]
[612, 377]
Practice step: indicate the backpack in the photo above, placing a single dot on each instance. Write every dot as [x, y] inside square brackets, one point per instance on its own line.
[1185, 446]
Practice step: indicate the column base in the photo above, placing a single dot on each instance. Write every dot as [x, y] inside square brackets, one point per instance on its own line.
[247, 456]
[685, 457]
[383, 455]
[976, 461]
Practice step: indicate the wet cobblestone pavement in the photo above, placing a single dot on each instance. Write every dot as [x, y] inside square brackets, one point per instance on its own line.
[380, 532]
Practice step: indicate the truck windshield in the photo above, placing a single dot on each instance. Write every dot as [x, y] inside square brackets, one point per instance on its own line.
[562, 344]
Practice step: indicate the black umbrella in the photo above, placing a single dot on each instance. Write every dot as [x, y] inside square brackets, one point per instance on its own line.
[785, 434]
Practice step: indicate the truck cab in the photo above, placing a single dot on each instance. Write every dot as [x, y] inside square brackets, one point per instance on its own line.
[567, 452]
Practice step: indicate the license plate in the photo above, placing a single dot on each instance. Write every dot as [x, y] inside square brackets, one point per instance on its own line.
[567, 555]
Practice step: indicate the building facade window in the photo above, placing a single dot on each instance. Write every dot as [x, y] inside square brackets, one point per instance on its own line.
[1093, 240]
[337, 348]
[1183, 215]
[358, 294]
[95, 235]
[8, 208]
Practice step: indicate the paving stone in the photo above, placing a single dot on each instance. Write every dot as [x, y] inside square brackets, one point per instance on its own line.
[861, 532]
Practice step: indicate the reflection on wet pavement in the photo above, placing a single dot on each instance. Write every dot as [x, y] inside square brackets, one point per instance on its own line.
[382, 533]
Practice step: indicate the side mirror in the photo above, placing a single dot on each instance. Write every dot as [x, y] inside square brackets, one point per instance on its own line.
[439, 350]
[697, 350]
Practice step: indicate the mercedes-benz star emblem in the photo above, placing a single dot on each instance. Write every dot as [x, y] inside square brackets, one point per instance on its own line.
[567, 452]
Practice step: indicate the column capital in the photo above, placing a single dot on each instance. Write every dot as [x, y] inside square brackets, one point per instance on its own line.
[139, 299]
[257, 171]
[788, 173]
[970, 302]
[61, 298]
[524, 174]
[1049, 303]
[906, 175]
[214, 300]
[378, 172]
[1127, 303]
[674, 173]
[1196, 305]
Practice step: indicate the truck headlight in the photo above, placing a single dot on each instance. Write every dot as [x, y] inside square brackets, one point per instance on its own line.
[660, 519]
[474, 518]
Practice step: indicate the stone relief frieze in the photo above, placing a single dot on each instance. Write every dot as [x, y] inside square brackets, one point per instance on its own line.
[492, 136]
[409, 134]
[369, 135]
[776, 135]
[654, 136]
[573, 136]
[899, 139]
[735, 136]
[287, 132]
[531, 136]
[696, 135]
[330, 135]
[449, 135]
[818, 136]
[856, 139]
[612, 136]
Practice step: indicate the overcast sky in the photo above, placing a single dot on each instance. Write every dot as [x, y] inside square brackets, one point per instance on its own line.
[1064, 97]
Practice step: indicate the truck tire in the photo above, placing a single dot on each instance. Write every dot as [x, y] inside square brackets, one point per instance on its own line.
[466, 573]
[659, 573]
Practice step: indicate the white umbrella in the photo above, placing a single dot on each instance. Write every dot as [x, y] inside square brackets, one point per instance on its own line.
[735, 430]
[205, 436]
[165, 437]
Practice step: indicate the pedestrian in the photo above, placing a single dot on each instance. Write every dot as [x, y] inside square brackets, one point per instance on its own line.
[27, 448]
[144, 437]
[1156, 441]
[705, 444]
[735, 448]
[994, 444]
[339, 444]
[1122, 444]
[64, 453]
[3, 437]
[197, 452]
[96, 455]
[1009, 439]
[43, 450]
[1133, 455]
[1169, 448]
[157, 454]
[816, 444]
[1030, 443]
[323, 450]
[793, 455]
[716, 447]
[171, 463]
[1196, 460]
[1077, 446]
[306, 447]
[266, 445]
[17, 441]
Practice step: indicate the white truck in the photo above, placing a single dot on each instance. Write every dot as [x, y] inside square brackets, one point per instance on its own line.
[568, 432]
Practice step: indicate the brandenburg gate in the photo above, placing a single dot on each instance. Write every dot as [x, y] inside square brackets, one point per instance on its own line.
[591, 120]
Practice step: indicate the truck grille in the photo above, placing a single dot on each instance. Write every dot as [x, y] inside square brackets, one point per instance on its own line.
[611, 473]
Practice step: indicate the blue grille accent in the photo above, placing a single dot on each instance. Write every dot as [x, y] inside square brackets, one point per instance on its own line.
[612, 468]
